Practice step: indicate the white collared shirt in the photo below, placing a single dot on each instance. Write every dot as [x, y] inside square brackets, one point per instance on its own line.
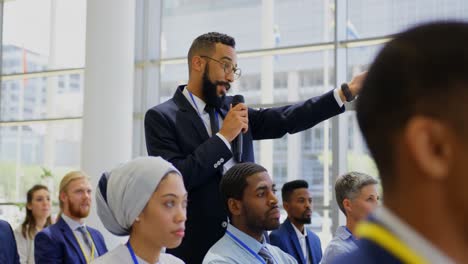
[302, 237]
[74, 225]
[409, 236]
[199, 107]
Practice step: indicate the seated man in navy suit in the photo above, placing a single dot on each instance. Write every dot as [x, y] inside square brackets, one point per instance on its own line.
[8, 250]
[420, 147]
[70, 240]
[292, 236]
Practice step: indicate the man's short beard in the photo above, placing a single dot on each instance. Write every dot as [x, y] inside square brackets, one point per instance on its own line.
[210, 91]
[76, 211]
[304, 219]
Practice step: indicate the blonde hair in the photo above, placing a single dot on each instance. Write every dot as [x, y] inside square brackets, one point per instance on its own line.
[66, 180]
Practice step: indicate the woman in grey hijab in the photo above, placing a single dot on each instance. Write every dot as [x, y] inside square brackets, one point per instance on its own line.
[146, 199]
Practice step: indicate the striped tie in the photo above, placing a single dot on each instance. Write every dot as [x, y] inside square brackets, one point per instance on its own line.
[84, 234]
[265, 254]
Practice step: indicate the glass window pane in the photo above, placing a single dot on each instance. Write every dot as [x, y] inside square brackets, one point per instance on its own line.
[40, 98]
[43, 35]
[370, 18]
[254, 24]
[172, 75]
[29, 152]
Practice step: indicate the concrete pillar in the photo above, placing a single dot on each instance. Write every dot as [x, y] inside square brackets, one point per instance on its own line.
[108, 92]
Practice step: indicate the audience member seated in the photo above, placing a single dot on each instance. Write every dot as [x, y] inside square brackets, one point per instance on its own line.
[413, 114]
[70, 240]
[357, 196]
[38, 207]
[146, 199]
[249, 195]
[292, 236]
[8, 251]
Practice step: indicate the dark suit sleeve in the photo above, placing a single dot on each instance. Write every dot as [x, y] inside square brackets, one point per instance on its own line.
[102, 247]
[46, 250]
[316, 246]
[8, 250]
[196, 168]
[275, 240]
[276, 122]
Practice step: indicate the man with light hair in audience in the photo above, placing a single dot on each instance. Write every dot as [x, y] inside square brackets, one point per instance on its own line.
[356, 195]
[70, 240]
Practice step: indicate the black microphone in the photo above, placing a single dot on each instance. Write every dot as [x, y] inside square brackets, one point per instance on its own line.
[238, 141]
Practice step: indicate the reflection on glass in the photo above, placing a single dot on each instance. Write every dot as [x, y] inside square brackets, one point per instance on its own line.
[369, 18]
[40, 98]
[38, 153]
[254, 24]
[43, 35]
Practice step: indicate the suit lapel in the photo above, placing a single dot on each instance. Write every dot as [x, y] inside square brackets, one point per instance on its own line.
[189, 114]
[96, 242]
[309, 246]
[71, 239]
[294, 239]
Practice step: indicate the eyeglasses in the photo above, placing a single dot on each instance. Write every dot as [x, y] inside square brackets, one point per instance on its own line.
[228, 67]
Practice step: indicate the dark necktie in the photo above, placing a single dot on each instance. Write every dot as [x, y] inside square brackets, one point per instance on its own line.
[213, 120]
[85, 236]
[265, 254]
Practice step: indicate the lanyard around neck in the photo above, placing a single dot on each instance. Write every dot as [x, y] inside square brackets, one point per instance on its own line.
[388, 241]
[88, 259]
[242, 244]
[132, 253]
[198, 111]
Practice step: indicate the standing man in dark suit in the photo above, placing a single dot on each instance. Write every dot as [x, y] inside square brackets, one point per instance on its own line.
[194, 131]
[420, 147]
[70, 240]
[292, 236]
[8, 250]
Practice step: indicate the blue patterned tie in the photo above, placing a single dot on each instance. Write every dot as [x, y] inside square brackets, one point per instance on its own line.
[265, 254]
[84, 234]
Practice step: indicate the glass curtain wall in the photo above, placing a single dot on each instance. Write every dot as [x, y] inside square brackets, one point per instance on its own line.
[288, 50]
[42, 60]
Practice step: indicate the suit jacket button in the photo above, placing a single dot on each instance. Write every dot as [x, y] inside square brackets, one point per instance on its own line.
[215, 166]
[222, 160]
[224, 224]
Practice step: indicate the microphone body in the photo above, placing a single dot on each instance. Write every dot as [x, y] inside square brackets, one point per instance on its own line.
[238, 142]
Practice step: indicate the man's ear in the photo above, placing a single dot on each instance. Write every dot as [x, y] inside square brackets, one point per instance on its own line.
[430, 145]
[63, 196]
[286, 206]
[198, 64]
[347, 205]
[235, 206]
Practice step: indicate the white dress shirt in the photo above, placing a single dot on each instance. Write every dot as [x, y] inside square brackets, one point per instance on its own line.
[199, 107]
[302, 237]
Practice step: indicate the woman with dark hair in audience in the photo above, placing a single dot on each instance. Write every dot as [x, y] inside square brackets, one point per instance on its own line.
[146, 199]
[38, 209]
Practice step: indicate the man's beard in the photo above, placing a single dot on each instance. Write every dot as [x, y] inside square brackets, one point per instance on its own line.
[258, 223]
[210, 91]
[304, 219]
[76, 211]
